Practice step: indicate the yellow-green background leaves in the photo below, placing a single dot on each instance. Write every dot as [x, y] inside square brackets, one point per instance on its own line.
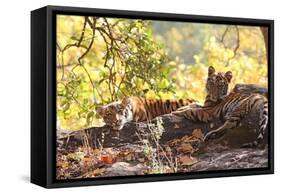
[100, 60]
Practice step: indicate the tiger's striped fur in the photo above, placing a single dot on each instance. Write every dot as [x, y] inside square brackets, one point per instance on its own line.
[216, 86]
[137, 109]
[231, 107]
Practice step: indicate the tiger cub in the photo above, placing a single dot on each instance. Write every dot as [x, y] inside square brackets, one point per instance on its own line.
[232, 108]
[137, 109]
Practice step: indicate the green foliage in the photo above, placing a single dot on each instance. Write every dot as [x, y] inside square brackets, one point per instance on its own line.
[100, 60]
[124, 60]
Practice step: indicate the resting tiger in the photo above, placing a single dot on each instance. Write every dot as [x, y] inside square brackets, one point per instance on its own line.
[231, 107]
[137, 109]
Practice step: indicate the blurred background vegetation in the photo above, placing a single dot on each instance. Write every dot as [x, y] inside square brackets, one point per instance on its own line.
[100, 60]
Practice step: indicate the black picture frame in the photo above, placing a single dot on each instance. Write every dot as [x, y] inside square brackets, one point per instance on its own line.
[43, 95]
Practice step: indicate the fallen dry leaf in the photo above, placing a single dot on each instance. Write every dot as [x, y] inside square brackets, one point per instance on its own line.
[186, 139]
[187, 160]
[98, 171]
[185, 148]
[198, 134]
[107, 159]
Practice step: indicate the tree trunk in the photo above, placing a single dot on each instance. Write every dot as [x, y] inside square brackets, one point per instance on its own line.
[167, 127]
[264, 31]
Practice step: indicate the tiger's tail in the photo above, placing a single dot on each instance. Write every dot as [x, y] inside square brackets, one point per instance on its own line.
[262, 126]
[263, 121]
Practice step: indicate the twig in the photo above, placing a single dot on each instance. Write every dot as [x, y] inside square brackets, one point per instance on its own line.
[83, 32]
[224, 34]
[237, 42]
[92, 25]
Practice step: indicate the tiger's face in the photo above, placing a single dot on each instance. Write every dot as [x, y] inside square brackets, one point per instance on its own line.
[217, 84]
[115, 114]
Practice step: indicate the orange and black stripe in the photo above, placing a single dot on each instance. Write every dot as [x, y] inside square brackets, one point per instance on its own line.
[233, 109]
[148, 109]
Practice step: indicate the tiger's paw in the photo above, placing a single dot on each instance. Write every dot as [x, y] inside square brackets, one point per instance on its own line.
[250, 144]
[209, 136]
[213, 135]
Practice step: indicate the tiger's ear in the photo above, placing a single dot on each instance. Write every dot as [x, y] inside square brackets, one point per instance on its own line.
[100, 110]
[228, 76]
[126, 101]
[211, 70]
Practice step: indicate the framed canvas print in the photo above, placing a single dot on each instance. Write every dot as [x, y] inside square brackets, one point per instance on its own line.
[125, 96]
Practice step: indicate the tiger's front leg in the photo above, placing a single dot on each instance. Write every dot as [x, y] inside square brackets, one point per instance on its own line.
[194, 114]
[206, 115]
[231, 121]
[220, 130]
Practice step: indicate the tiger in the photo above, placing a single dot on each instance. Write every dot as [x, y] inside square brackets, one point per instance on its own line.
[231, 107]
[137, 109]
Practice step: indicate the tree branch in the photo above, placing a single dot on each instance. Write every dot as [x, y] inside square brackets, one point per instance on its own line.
[264, 31]
[93, 26]
[237, 46]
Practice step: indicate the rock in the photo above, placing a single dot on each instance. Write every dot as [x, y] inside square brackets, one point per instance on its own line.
[250, 88]
[125, 169]
[241, 158]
